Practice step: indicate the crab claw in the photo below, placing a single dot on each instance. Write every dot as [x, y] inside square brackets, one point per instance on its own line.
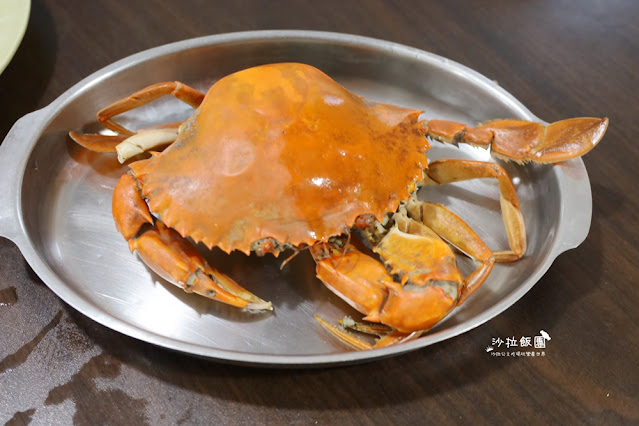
[176, 260]
[172, 256]
[523, 141]
[430, 283]
[357, 278]
[363, 282]
[416, 284]
[424, 296]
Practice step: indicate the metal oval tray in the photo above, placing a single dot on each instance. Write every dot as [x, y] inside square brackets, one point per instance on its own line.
[55, 201]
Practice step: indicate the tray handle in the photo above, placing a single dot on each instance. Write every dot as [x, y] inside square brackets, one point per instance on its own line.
[12, 160]
[576, 209]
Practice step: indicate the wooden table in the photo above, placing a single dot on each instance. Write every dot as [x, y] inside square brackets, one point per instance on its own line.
[559, 58]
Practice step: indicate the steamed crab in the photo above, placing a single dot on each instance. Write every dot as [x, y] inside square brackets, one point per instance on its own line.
[329, 164]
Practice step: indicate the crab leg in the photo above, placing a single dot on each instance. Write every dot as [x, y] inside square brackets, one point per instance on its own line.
[447, 171]
[361, 281]
[437, 218]
[144, 141]
[159, 135]
[523, 141]
[125, 145]
[142, 97]
[387, 336]
[419, 231]
[429, 287]
[354, 276]
[97, 142]
[170, 255]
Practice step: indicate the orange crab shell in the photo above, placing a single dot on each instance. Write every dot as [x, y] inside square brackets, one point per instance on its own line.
[282, 151]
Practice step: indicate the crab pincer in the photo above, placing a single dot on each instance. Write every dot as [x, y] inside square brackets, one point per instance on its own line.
[170, 255]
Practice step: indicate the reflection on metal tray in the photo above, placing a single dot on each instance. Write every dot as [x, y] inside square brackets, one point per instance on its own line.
[55, 201]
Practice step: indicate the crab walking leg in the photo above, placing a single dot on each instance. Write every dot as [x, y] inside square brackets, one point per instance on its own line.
[447, 171]
[344, 336]
[142, 97]
[170, 255]
[523, 141]
[392, 337]
[127, 146]
[97, 142]
[159, 135]
[144, 141]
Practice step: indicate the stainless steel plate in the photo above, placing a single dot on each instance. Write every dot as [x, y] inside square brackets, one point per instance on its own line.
[55, 201]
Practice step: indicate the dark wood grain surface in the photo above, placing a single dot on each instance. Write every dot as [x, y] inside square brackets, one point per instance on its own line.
[560, 58]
